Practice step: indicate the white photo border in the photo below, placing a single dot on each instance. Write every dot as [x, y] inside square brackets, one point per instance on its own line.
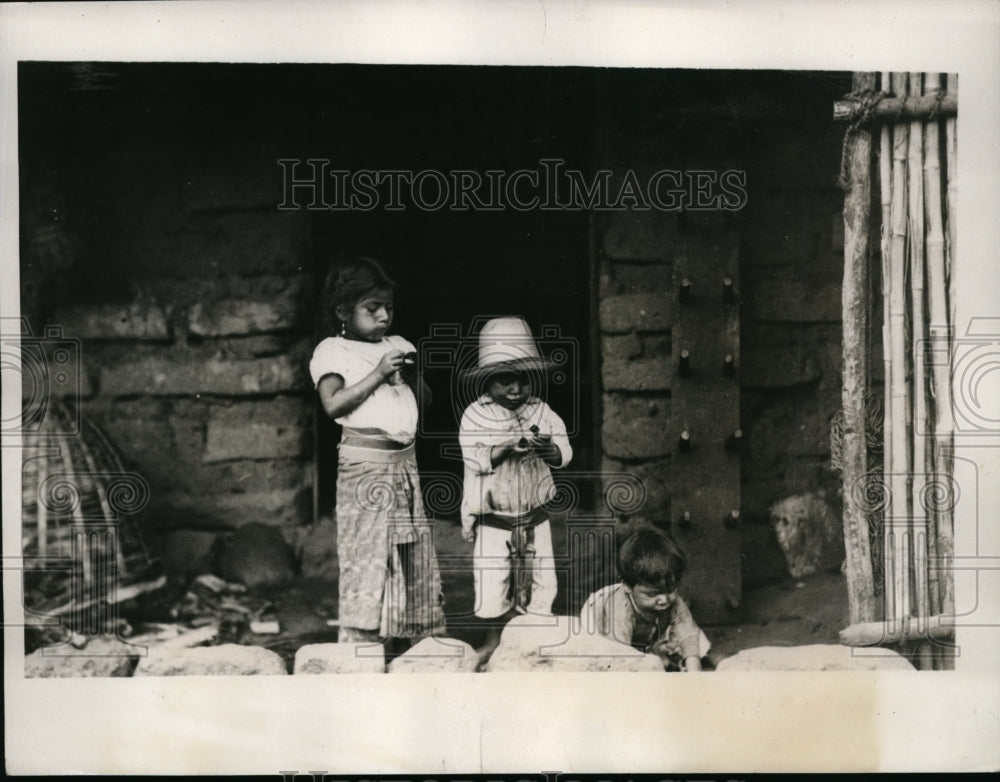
[624, 723]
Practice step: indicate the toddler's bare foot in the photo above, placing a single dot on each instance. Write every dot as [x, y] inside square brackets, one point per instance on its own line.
[484, 652]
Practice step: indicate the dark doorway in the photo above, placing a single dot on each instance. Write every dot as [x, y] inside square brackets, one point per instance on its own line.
[456, 266]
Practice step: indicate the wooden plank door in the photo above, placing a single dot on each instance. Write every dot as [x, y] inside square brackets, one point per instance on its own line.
[705, 412]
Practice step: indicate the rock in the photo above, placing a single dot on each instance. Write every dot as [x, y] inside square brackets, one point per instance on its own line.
[809, 534]
[187, 553]
[340, 658]
[222, 660]
[102, 656]
[255, 554]
[318, 546]
[436, 655]
[557, 643]
[816, 657]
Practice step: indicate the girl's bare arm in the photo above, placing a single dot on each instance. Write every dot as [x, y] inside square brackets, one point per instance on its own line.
[340, 400]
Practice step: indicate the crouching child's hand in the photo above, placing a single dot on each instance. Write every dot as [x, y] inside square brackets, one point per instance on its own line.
[692, 664]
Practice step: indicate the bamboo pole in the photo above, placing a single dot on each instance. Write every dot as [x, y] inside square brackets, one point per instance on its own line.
[951, 175]
[918, 542]
[895, 109]
[940, 332]
[856, 320]
[914, 250]
[917, 345]
[885, 180]
[943, 654]
[897, 513]
[877, 633]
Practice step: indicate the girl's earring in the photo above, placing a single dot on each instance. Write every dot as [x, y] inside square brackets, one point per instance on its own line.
[343, 329]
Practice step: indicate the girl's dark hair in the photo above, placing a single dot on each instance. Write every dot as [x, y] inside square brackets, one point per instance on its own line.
[651, 557]
[346, 284]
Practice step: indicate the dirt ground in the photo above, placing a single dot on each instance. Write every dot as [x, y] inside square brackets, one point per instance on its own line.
[791, 612]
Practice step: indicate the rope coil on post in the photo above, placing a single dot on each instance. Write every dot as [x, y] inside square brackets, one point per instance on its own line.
[867, 101]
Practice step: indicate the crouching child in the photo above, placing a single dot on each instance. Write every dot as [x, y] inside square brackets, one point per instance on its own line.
[644, 609]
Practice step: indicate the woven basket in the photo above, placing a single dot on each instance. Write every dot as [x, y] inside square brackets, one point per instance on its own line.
[83, 537]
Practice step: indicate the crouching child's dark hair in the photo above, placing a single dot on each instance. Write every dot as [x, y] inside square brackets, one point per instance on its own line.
[651, 557]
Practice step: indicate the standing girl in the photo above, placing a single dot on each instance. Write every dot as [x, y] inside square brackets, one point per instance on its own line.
[367, 382]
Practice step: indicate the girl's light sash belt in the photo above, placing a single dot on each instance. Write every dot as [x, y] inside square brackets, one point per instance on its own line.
[373, 448]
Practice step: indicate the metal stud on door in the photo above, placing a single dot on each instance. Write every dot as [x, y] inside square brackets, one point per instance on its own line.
[705, 405]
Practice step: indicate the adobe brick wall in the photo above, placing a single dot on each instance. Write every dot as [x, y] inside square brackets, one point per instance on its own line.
[220, 424]
[196, 334]
[790, 286]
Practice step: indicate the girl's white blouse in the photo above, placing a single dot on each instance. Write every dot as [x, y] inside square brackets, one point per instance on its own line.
[392, 407]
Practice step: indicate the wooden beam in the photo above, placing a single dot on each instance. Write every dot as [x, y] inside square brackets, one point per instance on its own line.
[940, 333]
[857, 314]
[888, 110]
[938, 627]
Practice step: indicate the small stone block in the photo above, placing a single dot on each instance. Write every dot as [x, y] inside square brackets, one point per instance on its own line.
[340, 658]
[101, 656]
[815, 657]
[436, 655]
[557, 643]
[222, 660]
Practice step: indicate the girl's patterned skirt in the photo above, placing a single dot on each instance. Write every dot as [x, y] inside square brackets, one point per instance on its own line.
[389, 579]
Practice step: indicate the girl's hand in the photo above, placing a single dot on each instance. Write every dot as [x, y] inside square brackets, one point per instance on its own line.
[391, 363]
[692, 664]
[469, 534]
